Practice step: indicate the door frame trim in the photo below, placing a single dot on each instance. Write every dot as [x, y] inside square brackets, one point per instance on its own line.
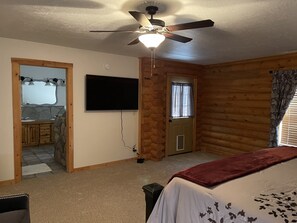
[168, 90]
[17, 123]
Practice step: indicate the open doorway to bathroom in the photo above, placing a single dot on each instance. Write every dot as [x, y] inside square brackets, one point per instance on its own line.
[39, 127]
[43, 115]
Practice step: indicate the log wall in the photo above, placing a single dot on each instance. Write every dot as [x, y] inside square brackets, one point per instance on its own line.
[153, 103]
[233, 107]
[234, 104]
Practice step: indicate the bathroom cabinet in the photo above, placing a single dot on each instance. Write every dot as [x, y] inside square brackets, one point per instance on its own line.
[37, 133]
[46, 133]
[30, 134]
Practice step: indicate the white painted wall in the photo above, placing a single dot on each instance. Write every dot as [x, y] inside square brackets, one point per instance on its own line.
[97, 135]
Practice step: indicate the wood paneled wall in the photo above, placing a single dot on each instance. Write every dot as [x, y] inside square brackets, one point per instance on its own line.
[234, 110]
[153, 103]
[234, 104]
[233, 113]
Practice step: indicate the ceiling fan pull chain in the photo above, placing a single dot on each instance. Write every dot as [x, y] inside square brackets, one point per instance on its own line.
[154, 56]
[151, 62]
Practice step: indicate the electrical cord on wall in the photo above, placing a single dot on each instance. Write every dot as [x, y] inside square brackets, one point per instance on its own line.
[122, 134]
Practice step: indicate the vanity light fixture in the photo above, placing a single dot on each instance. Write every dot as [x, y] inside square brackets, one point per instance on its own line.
[63, 83]
[26, 79]
[55, 81]
[22, 78]
[31, 82]
[47, 82]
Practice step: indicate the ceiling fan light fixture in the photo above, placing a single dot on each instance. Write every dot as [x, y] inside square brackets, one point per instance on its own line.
[151, 40]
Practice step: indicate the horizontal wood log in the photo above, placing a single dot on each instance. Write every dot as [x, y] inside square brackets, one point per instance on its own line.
[236, 132]
[243, 89]
[236, 96]
[237, 103]
[251, 126]
[237, 74]
[221, 84]
[228, 81]
[232, 145]
[235, 138]
[219, 150]
[256, 89]
[235, 110]
[237, 118]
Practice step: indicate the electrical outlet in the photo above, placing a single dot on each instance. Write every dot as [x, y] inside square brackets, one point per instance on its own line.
[134, 149]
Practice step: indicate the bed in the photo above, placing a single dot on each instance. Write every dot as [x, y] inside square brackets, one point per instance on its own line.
[257, 195]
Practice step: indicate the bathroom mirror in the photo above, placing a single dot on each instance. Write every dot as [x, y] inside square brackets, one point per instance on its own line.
[38, 93]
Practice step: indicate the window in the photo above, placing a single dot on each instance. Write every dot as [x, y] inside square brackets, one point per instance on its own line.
[288, 126]
[182, 104]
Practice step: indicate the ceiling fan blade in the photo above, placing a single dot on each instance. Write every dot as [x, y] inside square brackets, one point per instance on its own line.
[176, 37]
[141, 18]
[133, 42]
[112, 31]
[191, 25]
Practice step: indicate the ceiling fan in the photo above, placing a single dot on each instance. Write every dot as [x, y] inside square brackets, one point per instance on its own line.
[155, 28]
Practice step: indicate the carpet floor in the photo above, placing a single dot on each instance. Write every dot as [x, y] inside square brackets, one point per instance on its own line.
[110, 194]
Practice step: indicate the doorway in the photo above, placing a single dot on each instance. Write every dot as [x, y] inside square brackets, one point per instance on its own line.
[17, 113]
[181, 124]
[43, 107]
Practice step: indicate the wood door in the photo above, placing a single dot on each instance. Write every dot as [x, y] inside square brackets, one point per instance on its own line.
[180, 128]
[180, 138]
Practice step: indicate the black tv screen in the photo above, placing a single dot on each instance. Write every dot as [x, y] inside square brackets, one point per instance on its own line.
[111, 93]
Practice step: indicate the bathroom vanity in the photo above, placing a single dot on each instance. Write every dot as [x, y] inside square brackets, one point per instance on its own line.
[37, 132]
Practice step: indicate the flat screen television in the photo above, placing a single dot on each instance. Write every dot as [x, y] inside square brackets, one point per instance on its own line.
[111, 93]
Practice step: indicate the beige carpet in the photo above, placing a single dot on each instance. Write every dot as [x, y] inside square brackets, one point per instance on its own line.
[35, 169]
[106, 195]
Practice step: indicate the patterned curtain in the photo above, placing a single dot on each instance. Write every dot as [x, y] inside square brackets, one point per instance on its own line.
[284, 85]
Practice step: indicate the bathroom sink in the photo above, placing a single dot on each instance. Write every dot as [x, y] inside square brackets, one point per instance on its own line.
[28, 120]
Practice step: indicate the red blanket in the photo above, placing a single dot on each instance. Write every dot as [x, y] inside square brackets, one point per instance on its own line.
[219, 171]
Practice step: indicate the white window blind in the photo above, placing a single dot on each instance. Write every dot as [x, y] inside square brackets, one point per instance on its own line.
[288, 130]
[182, 103]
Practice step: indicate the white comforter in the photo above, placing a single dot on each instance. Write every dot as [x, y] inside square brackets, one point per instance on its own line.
[268, 196]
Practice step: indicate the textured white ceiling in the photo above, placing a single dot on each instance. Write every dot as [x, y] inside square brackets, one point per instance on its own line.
[243, 28]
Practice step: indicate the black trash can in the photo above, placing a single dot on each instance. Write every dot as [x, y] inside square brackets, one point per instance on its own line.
[152, 193]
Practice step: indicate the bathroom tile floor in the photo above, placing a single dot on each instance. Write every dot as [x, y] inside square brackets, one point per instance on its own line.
[41, 154]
